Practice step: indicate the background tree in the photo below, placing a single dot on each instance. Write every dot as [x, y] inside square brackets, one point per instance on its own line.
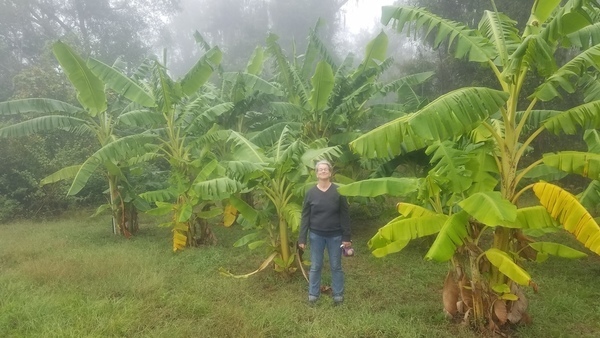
[102, 29]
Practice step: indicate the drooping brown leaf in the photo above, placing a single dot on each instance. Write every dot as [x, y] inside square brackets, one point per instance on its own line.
[518, 308]
[450, 294]
[500, 311]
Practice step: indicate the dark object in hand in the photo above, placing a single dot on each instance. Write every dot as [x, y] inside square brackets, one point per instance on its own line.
[347, 251]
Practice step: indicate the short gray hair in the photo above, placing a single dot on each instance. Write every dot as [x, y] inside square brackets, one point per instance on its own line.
[323, 162]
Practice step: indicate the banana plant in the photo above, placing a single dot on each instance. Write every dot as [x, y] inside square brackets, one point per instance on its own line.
[250, 94]
[276, 163]
[487, 273]
[95, 118]
[184, 132]
[329, 99]
[334, 101]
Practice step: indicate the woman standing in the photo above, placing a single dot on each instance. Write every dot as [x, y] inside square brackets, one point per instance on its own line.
[325, 216]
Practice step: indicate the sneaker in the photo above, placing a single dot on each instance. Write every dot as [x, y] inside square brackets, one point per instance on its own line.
[312, 300]
[337, 301]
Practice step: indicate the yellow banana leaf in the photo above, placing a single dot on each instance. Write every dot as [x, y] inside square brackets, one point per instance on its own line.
[179, 236]
[565, 208]
[229, 215]
[395, 235]
[507, 266]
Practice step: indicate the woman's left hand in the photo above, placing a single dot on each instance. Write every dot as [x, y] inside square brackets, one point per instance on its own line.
[347, 244]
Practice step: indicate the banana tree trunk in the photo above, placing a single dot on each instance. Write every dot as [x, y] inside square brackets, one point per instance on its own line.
[124, 214]
[204, 234]
[479, 314]
[114, 206]
[283, 239]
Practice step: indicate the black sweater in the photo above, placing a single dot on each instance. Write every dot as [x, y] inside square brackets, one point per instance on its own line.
[325, 213]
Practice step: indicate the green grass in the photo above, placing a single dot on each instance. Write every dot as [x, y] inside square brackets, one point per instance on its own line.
[72, 278]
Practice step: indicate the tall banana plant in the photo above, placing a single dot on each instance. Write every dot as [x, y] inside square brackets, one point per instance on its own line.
[275, 162]
[328, 98]
[333, 101]
[184, 131]
[94, 118]
[470, 207]
[250, 94]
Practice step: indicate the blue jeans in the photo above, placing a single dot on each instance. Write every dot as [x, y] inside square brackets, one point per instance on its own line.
[317, 252]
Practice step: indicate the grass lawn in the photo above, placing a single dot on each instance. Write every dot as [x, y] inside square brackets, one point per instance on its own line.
[70, 277]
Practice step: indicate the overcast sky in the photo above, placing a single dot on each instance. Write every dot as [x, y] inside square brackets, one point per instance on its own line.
[363, 15]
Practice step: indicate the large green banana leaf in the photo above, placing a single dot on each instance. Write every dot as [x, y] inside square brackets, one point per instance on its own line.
[590, 197]
[201, 71]
[585, 37]
[322, 86]
[586, 116]
[542, 9]
[243, 170]
[534, 51]
[206, 171]
[452, 235]
[120, 150]
[502, 33]
[489, 208]
[450, 115]
[311, 156]
[62, 174]
[545, 173]
[592, 139]
[256, 61]
[316, 48]
[293, 85]
[269, 136]
[120, 83]
[217, 188]
[292, 213]
[252, 83]
[42, 123]
[532, 218]
[454, 165]
[246, 150]
[90, 90]
[570, 71]
[208, 117]
[245, 209]
[406, 81]
[468, 43]
[393, 186]
[565, 20]
[575, 162]
[411, 210]
[565, 208]
[164, 195]
[375, 52]
[536, 118]
[37, 106]
[556, 249]
[141, 118]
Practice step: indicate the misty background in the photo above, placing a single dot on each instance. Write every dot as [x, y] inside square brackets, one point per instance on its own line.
[129, 32]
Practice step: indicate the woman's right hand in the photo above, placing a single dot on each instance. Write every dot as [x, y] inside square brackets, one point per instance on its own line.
[302, 246]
